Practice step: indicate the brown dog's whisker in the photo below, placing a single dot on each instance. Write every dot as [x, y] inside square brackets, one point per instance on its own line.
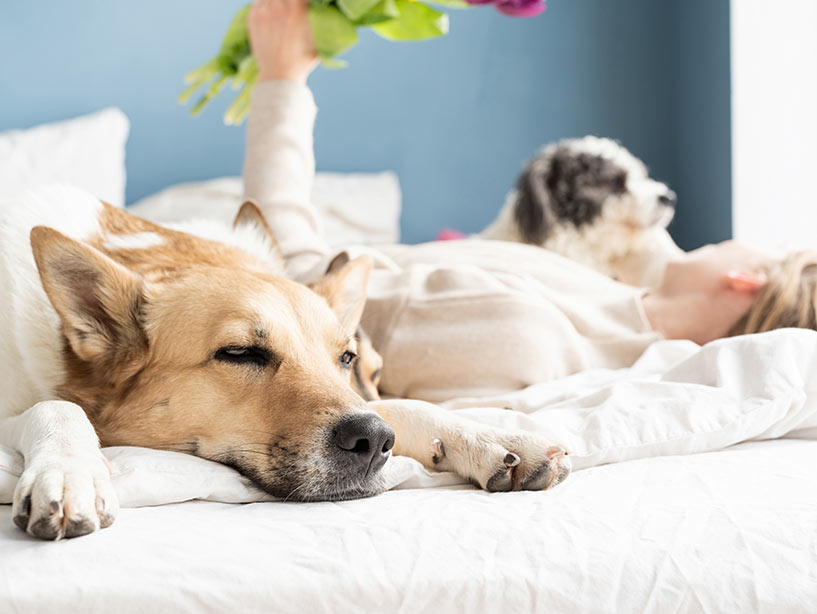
[242, 451]
[301, 486]
[276, 435]
[184, 447]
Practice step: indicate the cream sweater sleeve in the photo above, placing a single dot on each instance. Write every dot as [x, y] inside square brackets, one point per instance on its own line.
[278, 172]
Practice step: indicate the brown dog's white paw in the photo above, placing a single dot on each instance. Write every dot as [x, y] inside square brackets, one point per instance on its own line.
[500, 461]
[64, 497]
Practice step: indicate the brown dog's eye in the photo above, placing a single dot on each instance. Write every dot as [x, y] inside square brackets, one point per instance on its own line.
[252, 355]
[347, 358]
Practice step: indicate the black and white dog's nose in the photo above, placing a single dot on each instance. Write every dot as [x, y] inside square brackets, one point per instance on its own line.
[668, 199]
[364, 442]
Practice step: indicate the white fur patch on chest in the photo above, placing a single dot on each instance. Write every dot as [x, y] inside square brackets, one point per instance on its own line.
[138, 240]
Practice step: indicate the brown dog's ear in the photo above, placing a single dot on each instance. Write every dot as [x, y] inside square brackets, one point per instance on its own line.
[250, 215]
[338, 262]
[97, 299]
[344, 288]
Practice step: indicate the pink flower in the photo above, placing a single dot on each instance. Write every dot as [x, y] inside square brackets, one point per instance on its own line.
[515, 8]
[521, 8]
[447, 234]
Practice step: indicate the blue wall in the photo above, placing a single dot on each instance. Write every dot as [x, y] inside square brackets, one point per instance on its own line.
[455, 117]
[702, 168]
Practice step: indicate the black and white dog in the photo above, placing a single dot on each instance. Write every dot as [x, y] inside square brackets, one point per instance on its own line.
[591, 200]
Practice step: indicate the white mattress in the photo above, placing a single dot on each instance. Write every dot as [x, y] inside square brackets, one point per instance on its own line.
[722, 527]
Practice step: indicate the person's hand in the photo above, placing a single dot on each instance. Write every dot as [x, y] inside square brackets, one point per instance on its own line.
[281, 39]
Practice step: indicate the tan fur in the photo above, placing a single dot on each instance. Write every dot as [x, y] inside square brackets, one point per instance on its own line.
[142, 331]
[250, 214]
[178, 252]
[340, 289]
[367, 367]
[177, 342]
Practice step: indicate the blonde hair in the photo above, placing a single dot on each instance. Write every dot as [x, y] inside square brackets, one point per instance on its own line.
[789, 298]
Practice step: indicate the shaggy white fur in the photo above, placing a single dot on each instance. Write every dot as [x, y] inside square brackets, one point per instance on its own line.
[619, 230]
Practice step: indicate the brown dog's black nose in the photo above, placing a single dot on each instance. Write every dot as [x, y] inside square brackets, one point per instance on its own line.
[364, 442]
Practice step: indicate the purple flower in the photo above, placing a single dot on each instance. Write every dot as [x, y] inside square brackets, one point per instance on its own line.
[521, 8]
[515, 8]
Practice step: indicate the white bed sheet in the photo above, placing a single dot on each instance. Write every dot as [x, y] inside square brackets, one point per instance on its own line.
[730, 531]
[685, 525]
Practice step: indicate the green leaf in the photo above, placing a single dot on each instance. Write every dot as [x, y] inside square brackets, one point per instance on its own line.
[355, 9]
[382, 11]
[332, 31]
[417, 21]
[237, 35]
[333, 63]
[234, 60]
[203, 74]
[239, 108]
[247, 71]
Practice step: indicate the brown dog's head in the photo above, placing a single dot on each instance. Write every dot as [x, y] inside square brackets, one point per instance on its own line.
[367, 367]
[195, 346]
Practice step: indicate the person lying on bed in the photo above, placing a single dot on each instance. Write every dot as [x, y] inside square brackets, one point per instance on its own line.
[469, 318]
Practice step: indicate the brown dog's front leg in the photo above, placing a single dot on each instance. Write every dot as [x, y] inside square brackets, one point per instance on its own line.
[495, 459]
[65, 489]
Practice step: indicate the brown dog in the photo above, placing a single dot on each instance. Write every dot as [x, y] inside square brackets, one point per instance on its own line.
[146, 336]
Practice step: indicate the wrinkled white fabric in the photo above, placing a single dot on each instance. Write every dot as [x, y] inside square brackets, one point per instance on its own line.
[680, 527]
[730, 531]
[677, 399]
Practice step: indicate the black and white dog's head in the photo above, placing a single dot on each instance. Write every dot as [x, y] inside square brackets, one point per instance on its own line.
[589, 199]
[588, 182]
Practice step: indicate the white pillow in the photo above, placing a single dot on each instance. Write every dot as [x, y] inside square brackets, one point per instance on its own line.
[356, 208]
[87, 152]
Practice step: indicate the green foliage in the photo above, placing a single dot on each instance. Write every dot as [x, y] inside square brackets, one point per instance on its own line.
[416, 22]
[332, 31]
[355, 9]
[380, 12]
[334, 27]
[234, 63]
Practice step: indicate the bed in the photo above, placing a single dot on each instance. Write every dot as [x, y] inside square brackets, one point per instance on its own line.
[694, 491]
[664, 513]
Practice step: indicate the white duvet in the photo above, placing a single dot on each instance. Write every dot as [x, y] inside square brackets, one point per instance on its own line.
[685, 525]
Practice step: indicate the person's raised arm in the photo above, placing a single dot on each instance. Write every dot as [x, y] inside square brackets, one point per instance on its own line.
[280, 165]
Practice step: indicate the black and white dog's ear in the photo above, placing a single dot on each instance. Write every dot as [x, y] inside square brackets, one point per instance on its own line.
[533, 211]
